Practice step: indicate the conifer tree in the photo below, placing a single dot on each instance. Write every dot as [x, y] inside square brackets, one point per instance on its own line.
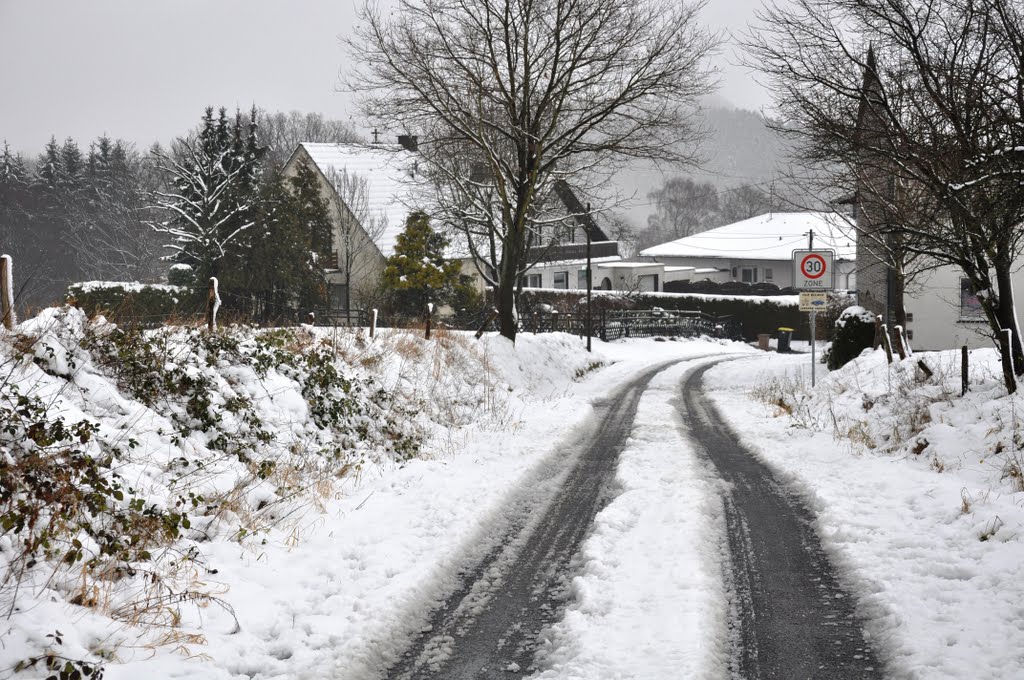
[278, 267]
[212, 197]
[418, 272]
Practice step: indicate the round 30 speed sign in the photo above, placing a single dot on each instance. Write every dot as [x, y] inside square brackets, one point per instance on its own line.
[812, 269]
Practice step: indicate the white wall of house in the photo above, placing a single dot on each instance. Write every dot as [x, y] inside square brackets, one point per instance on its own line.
[366, 262]
[612, 272]
[942, 316]
[752, 270]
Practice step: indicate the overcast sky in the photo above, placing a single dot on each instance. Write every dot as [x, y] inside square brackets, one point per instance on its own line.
[144, 70]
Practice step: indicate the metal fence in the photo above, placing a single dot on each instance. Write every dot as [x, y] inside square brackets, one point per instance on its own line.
[647, 323]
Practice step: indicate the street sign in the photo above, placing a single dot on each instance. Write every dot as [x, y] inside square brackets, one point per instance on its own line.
[813, 301]
[813, 270]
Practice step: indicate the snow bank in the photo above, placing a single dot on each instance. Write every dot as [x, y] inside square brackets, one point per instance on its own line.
[916, 494]
[329, 579]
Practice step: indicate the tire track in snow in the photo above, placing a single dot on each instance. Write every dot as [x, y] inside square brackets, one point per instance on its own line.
[794, 619]
[490, 625]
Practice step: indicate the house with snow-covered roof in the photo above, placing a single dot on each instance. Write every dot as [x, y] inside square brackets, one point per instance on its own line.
[759, 249]
[370, 190]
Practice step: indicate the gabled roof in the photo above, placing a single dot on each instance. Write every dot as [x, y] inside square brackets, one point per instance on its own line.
[772, 236]
[390, 174]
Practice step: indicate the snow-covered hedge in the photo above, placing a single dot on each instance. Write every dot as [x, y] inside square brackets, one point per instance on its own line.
[133, 301]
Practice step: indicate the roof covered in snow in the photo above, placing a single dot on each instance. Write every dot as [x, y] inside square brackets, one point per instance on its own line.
[772, 236]
[390, 173]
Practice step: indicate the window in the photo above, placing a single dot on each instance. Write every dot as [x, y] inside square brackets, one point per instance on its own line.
[748, 275]
[339, 296]
[768, 274]
[970, 306]
[562, 280]
[581, 279]
[532, 281]
[648, 283]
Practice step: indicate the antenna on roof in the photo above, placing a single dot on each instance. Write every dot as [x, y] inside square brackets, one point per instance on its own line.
[376, 136]
[771, 200]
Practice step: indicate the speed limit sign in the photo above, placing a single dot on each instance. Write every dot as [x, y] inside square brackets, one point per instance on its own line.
[812, 269]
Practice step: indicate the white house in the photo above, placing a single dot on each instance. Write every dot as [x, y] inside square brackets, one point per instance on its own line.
[370, 191]
[760, 249]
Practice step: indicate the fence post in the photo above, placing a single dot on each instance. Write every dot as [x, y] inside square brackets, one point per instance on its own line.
[964, 378]
[311, 318]
[7, 292]
[886, 343]
[878, 332]
[487, 322]
[899, 342]
[430, 313]
[373, 322]
[212, 305]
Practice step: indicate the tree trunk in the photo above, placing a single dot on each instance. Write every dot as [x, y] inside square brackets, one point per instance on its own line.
[1006, 313]
[506, 295]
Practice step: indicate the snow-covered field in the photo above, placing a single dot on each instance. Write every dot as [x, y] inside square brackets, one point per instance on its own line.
[926, 534]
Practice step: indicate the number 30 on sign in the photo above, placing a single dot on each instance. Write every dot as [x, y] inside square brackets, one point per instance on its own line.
[812, 270]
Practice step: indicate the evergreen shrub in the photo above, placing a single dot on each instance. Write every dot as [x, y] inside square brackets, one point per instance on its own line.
[855, 332]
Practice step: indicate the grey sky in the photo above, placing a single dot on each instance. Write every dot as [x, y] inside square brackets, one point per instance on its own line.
[143, 70]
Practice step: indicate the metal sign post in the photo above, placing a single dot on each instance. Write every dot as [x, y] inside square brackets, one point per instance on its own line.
[812, 302]
[813, 276]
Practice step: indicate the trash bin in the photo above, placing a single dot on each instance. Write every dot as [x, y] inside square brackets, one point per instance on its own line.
[785, 336]
[762, 341]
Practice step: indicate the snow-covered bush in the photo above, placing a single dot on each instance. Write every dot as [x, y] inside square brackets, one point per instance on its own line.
[855, 332]
[149, 303]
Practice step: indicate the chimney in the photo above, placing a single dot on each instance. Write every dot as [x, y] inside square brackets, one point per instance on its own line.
[408, 142]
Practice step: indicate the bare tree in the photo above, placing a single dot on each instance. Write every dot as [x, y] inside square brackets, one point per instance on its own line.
[358, 232]
[282, 132]
[920, 102]
[512, 95]
[684, 207]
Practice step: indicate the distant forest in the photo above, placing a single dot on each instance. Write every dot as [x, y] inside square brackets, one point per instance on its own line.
[108, 211]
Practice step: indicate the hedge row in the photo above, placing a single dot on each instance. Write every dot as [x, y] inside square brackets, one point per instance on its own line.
[764, 315]
[135, 303]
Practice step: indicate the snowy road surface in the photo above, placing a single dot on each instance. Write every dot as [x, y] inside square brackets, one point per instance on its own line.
[764, 604]
[490, 625]
[794, 619]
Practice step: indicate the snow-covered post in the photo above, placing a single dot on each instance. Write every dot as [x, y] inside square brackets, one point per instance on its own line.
[886, 343]
[7, 291]
[212, 305]
[430, 313]
[373, 322]
[900, 347]
[311, 318]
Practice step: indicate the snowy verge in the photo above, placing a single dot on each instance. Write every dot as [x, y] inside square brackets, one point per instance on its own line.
[908, 483]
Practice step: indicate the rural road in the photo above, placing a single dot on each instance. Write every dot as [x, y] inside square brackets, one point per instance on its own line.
[791, 618]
